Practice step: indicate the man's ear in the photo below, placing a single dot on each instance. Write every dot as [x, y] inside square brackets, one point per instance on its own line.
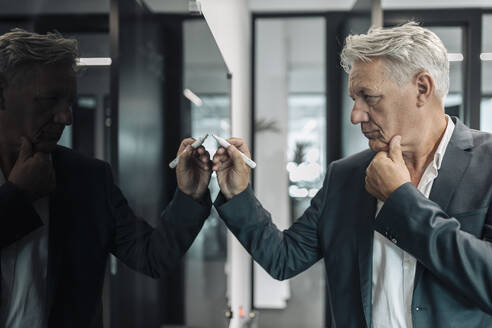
[425, 88]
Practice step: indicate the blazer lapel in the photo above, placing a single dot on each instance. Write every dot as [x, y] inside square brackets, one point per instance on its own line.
[455, 163]
[366, 213]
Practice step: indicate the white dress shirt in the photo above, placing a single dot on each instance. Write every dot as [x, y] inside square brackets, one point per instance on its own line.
[393, 269]
[24, 271]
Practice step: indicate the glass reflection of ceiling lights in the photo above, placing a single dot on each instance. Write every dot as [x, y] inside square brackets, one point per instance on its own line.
[94, 61]
[192, 97]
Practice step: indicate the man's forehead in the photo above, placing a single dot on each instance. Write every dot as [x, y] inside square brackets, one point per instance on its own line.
[54, 79]
[361, 82]
[367, 76]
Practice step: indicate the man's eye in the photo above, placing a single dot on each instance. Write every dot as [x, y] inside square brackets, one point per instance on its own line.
[371, 99]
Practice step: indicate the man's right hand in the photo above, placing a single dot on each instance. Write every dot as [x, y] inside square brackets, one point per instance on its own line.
[33, 173]
[232, 171]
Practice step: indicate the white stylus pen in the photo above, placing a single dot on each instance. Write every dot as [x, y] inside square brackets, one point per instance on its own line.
[198, 142]
[225, 144]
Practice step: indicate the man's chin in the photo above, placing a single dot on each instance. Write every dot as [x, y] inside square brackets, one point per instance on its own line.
[377, 145]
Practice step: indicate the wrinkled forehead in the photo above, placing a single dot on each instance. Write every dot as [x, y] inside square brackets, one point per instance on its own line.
[367, 75]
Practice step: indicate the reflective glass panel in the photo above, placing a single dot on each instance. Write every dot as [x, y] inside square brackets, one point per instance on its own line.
[290, 150]
[486, 59]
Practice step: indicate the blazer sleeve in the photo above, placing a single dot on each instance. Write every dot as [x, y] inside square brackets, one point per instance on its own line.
[17, 216]
[459, 259]
[283, 254]
[155, 251]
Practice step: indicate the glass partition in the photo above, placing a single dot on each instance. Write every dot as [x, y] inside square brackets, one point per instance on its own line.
[88, 23]
[207, 93]
[353, 141]
[173, 83]
[139, 62]
[452, 37]
[486, 59]
[290, 150]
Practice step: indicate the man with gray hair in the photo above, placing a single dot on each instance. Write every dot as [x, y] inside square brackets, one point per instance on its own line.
[405, 227]
[60, 212]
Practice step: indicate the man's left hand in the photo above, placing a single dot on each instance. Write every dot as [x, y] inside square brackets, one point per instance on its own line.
[193, 170]
[387, 171]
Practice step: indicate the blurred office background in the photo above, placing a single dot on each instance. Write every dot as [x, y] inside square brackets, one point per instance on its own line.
[153, 72]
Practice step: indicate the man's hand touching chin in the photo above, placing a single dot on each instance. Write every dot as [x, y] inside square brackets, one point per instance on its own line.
[387, 171]
[33, 172]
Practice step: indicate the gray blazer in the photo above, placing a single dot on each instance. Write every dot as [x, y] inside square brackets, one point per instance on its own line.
[449, 234]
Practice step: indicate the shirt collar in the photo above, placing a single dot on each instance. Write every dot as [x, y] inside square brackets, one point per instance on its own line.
[441, 149]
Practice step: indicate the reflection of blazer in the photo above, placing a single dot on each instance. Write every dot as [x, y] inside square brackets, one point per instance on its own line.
[450, 235]
[90, 218]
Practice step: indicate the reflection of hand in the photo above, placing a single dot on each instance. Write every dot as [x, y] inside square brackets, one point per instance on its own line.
[33, 173]
[232, 171]
[387, 171]
[193, 170]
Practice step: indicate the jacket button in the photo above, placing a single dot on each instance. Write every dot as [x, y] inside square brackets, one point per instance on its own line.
[417, 308]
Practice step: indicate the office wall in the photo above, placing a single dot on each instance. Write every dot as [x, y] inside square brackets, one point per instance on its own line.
[230, 23]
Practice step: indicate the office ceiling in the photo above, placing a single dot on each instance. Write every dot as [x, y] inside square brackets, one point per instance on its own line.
[300, 5]
[336, 5]
[35, 7]
[10, 7]
[424, 4]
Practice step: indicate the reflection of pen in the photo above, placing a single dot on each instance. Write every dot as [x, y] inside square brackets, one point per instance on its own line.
[225, 144]
[198, 142]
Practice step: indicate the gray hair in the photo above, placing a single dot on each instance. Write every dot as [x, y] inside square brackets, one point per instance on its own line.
[406, 50]
[20, 48]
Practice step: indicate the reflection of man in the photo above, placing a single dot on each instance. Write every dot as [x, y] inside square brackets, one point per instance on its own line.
[61, 214]
[405, 229]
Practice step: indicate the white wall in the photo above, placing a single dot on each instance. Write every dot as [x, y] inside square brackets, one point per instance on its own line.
[230, 23]
[204, 69]
[272, 88]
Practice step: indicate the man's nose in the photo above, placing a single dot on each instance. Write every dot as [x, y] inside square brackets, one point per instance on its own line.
[358, 115]
[64, 115]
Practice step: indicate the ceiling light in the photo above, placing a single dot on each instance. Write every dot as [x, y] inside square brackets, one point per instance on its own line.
[486, 56]
[94, 61]
[455, 57]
